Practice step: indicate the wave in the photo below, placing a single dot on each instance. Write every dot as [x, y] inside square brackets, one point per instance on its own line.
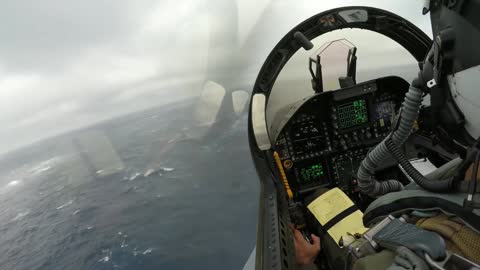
[124, 244]
[65, 205]
[46, 165]
[147, 251]
[59, 188]
[135, 251]
[134, 176]
[21, 215]
[105, 259]
[108, 255]
[13, 183]
[149, 172]
[44, 169]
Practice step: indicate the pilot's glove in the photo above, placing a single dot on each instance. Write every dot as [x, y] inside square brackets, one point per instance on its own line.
[305, 252]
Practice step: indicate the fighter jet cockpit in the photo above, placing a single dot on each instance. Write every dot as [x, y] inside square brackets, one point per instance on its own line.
[364, 155]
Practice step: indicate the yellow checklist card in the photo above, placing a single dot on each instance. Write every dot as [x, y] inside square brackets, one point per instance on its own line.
[331, 204]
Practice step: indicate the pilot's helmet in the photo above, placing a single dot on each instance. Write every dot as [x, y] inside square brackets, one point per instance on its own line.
[452, 70]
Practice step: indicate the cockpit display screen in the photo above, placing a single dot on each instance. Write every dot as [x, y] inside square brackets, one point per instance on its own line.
[352, 114]
[307, 137]
[312, 174]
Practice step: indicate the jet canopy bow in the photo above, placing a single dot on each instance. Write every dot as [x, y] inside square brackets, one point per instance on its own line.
[381, 170]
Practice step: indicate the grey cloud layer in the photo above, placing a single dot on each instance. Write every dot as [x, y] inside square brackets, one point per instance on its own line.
[66, 64]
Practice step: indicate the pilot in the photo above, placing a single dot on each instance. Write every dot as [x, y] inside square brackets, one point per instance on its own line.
[434, 221]
[459, 238]
[451, 75]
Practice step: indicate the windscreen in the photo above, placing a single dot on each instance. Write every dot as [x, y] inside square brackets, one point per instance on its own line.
[377, 56]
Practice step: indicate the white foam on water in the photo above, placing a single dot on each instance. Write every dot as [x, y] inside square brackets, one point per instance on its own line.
[14, 183]
[133, 177]
[104, 259]
[65, 205]
[91, 227]
[168, 169]
[76, 212]
[46, 165]
[147, 251]
[148, 172]
[44, 169]
[108, 255]
[123, 245]
[119, 233]
[21, 215]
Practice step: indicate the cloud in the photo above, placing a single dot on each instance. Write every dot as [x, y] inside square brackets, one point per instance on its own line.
[47, 34]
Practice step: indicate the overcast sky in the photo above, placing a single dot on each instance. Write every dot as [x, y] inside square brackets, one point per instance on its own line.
[68, 64]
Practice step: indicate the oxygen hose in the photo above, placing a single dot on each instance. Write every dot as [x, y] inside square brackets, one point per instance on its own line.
[422, 181]
[366, 172]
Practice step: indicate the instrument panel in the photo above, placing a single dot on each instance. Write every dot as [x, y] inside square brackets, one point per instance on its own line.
[330, 134]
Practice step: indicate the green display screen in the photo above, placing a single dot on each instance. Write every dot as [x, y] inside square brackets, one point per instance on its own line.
[352, 113]
[312, 173]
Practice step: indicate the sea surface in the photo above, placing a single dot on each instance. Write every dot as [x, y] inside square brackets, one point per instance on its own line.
[151, 190]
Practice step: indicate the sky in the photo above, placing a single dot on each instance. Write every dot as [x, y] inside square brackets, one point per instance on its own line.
[69, 64]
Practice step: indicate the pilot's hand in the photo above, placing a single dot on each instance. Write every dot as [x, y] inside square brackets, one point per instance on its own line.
[304, 250]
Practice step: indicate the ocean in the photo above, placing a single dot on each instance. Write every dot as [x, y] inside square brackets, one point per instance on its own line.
[150, 190]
